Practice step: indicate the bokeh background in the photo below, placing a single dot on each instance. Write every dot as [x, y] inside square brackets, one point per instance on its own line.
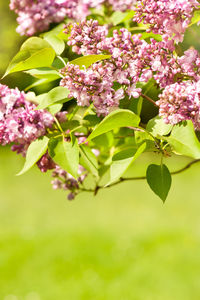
[123, 244]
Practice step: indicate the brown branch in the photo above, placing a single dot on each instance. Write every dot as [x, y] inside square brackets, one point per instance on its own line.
[186, 167]
[149, 99]
[122, 179]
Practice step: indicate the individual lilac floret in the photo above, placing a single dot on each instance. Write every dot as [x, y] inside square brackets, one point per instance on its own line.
[46, 163]
[179, 102]
[20, 123]
[170, 17]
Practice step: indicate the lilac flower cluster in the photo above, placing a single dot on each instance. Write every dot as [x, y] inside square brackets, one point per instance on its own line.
[122, 5]
[85, 37]
[190, 64]
[63, 180]
[36, 16]
[92, 85]
[132, 60]
[20, 123]
[181, 101]
[169, 17]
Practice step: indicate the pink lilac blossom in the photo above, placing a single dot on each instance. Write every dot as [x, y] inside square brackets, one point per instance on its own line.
[122, 5]
[92, 85]
[36, 16]
[190, 63]
[46, 163]
[63, 180]
[179, 102]
[166, 17]
[132, 60]
[20, 123]
[85, 37]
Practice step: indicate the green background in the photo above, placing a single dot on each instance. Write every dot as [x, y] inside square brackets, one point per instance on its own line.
[122, 244]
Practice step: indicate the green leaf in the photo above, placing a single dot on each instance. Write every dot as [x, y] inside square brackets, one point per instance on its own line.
[55, 95]
[146, 35]
[159, 180]
[136, 105]
[71, 125]
[34, 44]
[44, 73]
[38, 83]
[34, 53]
[157, 126]
[57, 29]
[105, 140]
[39, 98]
[91, 120]
[35, 151]
[141, 137]
[88, 60]
[88, 160]
[60, 63]
[64, 36]
[116, 119]
[120, 17]
[122, 161]
[23, 61]
[196, 18]
[65, 154]
[56, 42]
[55, 108]
[184, 140]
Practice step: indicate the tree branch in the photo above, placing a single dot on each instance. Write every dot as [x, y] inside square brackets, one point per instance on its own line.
[186, 167]
[149, 99]
[122, 179]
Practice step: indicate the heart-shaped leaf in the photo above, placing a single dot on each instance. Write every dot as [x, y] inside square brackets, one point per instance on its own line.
[159, 180]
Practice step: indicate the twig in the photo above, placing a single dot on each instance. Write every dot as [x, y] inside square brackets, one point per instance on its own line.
[149, 99]
[122, 179]
[186, 167]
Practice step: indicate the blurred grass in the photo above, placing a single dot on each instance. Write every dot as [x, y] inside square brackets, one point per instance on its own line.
[123, 244]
